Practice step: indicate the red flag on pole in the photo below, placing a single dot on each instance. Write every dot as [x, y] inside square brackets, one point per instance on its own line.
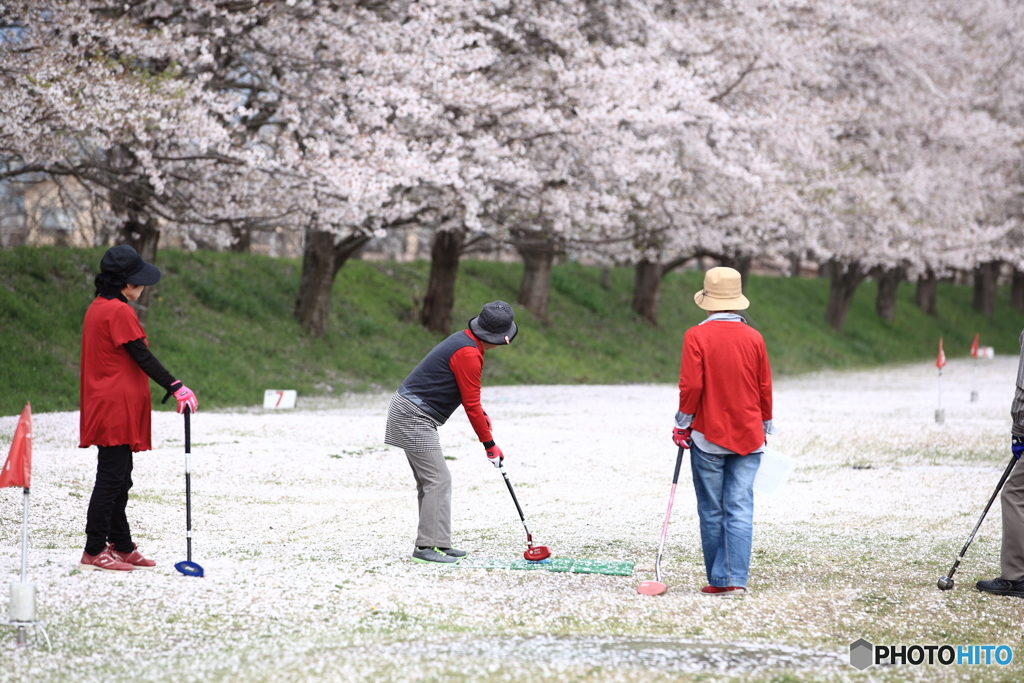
[17, 470]
[974, 346]
[940, 360]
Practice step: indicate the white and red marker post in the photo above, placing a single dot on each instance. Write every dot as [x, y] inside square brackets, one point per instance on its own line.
[974, 373]
[940, 362]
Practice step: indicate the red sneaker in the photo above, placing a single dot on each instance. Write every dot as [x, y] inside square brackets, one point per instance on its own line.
[134, 558]
[719, 590]
[104, 560]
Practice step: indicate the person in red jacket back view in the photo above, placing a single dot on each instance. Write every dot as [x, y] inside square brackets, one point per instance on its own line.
[725, 412]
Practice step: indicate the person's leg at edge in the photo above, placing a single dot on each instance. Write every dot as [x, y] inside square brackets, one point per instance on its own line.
[120, 532]
[435, 484]
[112, 464]
[1011, 555]
[708, 480]
[732, 564]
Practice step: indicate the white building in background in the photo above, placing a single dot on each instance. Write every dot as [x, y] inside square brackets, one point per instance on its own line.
[50, 213]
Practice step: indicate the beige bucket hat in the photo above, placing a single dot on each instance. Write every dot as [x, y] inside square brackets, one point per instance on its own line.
[723, 291]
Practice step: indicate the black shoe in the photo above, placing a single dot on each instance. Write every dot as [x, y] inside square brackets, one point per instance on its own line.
[1002, 587]
[454, 552]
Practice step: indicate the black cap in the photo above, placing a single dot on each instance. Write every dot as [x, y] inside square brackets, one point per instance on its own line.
[124, 263]
[495, 324]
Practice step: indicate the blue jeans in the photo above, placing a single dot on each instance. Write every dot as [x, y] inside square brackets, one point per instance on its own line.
[725, 504]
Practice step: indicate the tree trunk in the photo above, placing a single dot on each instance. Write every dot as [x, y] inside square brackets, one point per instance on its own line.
[888, 285]
[985, 276]
[538, 258]
[741, 264]
[794, 265]
[845, 279]
[241, 239]
[1017, 291]
[321, 261]
[646, 285]
[925, 296]
[141, 233]
[314, 300]
[444, 268]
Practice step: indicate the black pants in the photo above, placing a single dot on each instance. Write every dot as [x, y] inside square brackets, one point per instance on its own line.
[106, 519]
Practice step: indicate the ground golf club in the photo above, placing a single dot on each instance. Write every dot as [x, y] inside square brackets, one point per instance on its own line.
[656, 587]
[946, 582]
[533, 553]
[188, 567]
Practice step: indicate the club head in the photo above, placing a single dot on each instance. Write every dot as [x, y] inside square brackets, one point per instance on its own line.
[536, 553]
[651, 588]
[189, 569]
[945, 584]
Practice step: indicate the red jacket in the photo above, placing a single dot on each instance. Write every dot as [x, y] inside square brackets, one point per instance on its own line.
[725, 382]
[114, 393]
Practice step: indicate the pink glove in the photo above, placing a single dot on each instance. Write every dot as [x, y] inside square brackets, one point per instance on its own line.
[681, 437]
[494, 454]
[186, 397]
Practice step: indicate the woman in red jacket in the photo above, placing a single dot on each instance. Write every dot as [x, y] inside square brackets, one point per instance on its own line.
[725, 411]
[116, 405]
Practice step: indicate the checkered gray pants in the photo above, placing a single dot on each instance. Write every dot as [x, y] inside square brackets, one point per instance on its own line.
[415, 432]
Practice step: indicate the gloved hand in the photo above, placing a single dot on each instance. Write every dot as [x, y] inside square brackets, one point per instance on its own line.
[1017, 445]
[681, 437]
[494, 454]
[185, 397]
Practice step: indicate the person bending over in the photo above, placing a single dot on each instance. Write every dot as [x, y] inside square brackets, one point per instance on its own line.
[446, 377]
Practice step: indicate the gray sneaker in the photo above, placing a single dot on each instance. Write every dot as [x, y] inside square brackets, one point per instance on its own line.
[435, 555]
[454, 552]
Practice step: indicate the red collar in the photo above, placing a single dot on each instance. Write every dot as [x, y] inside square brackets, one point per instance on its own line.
[479, 345]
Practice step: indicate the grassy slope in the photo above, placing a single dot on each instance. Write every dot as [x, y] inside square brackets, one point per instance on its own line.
[222, 322]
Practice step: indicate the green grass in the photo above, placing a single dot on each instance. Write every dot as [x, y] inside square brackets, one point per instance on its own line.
[223, 324]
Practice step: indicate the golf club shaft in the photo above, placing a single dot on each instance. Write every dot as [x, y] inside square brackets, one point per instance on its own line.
[188, 482]
[668, 515]
[515, 500]
[1002, 480]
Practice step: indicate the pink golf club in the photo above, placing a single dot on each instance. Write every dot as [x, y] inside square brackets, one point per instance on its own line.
[656, 587]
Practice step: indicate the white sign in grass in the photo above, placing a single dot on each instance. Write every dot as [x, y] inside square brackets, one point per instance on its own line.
[279, 398]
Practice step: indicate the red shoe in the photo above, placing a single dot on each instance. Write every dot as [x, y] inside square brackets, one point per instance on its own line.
[134, 558]
[718, 590]
[104, 560]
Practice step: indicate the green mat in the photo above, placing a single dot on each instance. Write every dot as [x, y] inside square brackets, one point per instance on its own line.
[557, 564]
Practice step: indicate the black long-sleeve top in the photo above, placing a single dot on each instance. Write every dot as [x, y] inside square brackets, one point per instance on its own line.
[138, 350]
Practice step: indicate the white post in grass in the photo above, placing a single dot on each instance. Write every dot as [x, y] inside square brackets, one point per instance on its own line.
[23, 594]
[940, 362]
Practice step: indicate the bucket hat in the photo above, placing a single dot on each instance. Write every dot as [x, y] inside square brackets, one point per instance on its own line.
[495, 324]
[123, 263]
[723, 291]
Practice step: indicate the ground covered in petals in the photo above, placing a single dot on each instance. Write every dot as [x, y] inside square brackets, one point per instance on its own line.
[304, 523]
